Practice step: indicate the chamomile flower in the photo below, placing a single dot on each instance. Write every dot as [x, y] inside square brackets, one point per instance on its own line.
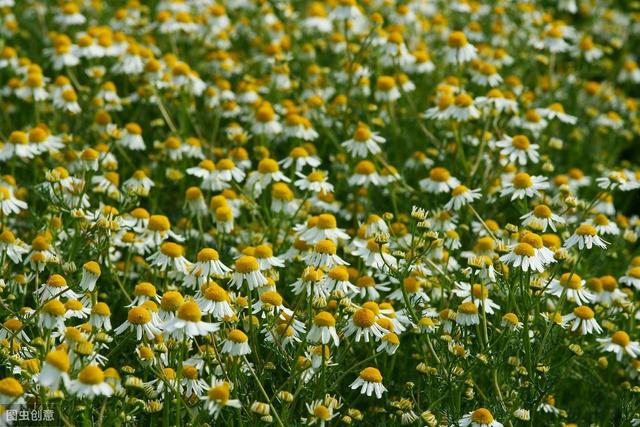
[632, 278]
[481, 417]
[320, 412]
[363, 142]
[188, 323]
[439, 181]
[9, 203]
[572, 285]
[100, 316]
[316, 181]
[90, 383]
[462, 196]
[139, 319]
[467, 314]
[11, 392]
[519, 149]
[375, 255]
[247, 269]
[363, 325]
[529, 254]
[620, 343]
[369, 382]
[300, 157]
[459, 50]
[218, 397]
[541, 218]
[582, 319]
[139, 184]
[476, 293]
[55, 287]
[585, 236]
[524, 185]
[324, 329]
[170, 256]
[324, 255]
[324, 227]
[365, 174]
[236, 343]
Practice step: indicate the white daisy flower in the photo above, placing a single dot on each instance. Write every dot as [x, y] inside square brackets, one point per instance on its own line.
[620, 343]
[518, 149]
[90, 383]
[524, 185]
[369, 382]
[481, 417]
[583, 319]
[236, 343]
[585, 236]
[188, 323]
[573, 286]
[439, 181]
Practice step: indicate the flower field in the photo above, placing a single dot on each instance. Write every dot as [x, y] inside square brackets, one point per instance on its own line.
[342, 212]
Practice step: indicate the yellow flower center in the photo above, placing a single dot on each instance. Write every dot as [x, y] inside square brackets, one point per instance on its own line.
[54, 308]
[247, 264]
[171, 301]
[371, 375]
[457, 39]
[327, 221]
[411, 285]
[468, 308]
[11, 387]
[365, 167]
[542, 211]
[316, 176]
[524, 249]
[263, 251]
[511, 318]
[272, 298]
[386, 83]
[224, 214]
[265, 113]
[463, 100]
[621, 338]
[139, 316]
[159, 223]
[635, 272]
[219, 393]
[238, 336]
[322, 412]
[190, 311]
[362, 134]
[324, 319]
[439, 174]
[172, 250]
[59, 359]
[520, 142]
[583, 312]
[571, 281]
[339, 273]
[145, 289]
[522, 180]
[586, 230]
[459, 190]
[326, 247]
[479, 291]
[482, 416]
[601, 220]
[190, 372]
[91, 375]
[101, 309]
[364, 318]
